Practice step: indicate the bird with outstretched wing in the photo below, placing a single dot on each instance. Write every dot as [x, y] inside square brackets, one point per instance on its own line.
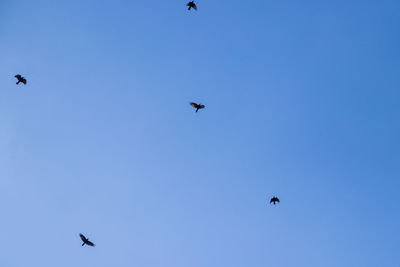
[274, 200]
[20, 79]
[86, 241]
[197, 106]
[191, 4]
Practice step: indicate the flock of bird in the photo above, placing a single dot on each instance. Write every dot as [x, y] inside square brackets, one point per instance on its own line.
[196, 106]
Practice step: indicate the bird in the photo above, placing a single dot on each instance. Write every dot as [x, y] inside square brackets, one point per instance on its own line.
[86, 241]
[274, 200]
[191, 4]
[20, 79]
[197, 106]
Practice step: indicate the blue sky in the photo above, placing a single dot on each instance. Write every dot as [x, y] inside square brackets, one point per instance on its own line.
[301, 102]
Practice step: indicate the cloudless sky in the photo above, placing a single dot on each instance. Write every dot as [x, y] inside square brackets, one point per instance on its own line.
[302, 102]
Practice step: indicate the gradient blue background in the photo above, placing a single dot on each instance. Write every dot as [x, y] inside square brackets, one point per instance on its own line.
[302, 102]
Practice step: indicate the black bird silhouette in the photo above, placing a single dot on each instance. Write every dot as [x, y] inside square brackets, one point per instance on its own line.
[191, 4]
[274, 200]
[197, 106]
[86, 241]
[20, 79]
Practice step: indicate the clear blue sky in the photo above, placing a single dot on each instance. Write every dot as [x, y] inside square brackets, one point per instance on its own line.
[302, 102]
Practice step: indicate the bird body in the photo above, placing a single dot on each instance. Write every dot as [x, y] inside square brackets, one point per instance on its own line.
[20, 79]
[274, 200]
[197, 106]
[191, 4]
[86, 241]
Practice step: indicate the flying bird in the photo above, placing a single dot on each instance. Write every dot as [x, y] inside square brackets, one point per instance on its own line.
[86, 241]
[274, 200]
[197, 106]
[20, 79]
[191, 4]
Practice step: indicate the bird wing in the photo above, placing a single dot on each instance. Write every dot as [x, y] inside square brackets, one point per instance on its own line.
[193, 104]
[194, 7]
[277, 200]
[89, 243]
[272, 200]
[202, 106]
[18, 76]
[82, 237]
[23, 80]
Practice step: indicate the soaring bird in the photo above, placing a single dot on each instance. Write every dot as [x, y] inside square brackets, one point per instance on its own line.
[86, 241]
[274, 200]
[20, 79]
[197, 106]
[191, 4]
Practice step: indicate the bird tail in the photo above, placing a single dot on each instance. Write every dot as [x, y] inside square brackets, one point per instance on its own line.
[189, 8]
[18, 82]
[197, 109]
[83, 244]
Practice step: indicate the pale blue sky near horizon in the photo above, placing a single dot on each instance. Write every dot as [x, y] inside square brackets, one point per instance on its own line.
[302, 102]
